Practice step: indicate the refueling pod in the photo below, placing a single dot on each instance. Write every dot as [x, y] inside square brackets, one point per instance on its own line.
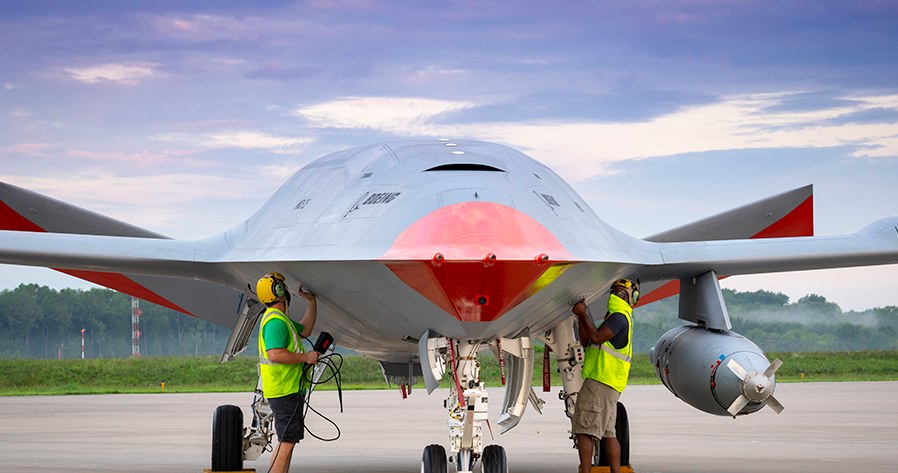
[716, 371]
[705, 363]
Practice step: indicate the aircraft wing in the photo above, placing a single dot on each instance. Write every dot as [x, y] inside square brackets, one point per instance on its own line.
[876, 244]
[75, 239]
[789, 214]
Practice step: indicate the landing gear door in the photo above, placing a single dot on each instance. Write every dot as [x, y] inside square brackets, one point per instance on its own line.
[432, 353]
[248, 314]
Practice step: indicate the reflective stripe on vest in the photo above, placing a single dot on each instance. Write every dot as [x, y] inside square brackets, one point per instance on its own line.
[279, 379]
[615, 353]
[607, 364]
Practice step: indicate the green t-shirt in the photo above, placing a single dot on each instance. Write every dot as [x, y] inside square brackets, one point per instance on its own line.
[277, 335]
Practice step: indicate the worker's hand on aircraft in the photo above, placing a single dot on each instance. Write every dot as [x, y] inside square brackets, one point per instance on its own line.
[579, 308]
[305, 294]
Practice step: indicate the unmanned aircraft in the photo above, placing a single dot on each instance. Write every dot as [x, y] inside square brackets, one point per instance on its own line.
[425, 252]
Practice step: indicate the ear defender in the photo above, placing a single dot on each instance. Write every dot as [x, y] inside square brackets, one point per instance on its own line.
[278, 288]
[271, 288]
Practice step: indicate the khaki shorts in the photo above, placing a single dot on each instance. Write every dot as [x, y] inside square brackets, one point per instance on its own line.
[596, 410]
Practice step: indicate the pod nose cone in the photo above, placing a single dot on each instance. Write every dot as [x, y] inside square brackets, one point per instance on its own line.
[756, 386]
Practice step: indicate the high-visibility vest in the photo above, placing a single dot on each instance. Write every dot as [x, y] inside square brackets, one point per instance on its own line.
[607, 364]
[278, 379]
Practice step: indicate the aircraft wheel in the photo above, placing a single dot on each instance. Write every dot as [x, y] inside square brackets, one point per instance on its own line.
[494, 460]
[622, 430]
[227, 439]
[434, 459]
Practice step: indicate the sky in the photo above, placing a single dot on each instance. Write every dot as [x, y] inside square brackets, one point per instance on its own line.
[184, 117]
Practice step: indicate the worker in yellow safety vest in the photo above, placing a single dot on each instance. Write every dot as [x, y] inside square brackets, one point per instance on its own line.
[281, 362]
[606, 368]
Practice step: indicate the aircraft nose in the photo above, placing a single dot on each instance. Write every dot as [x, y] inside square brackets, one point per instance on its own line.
[476, 260]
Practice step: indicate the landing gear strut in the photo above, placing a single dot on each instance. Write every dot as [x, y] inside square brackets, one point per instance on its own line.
[466, 405]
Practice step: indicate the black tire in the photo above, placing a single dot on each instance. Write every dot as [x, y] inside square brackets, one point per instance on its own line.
[494, 459]
[622, 431]
[227, 439]
[434, 459]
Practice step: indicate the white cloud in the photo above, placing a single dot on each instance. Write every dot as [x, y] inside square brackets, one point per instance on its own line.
[736, 122]
[432, 73]
[885, 146]
[241, 140]
[143, 158]
[401, 116]
[277, 172]
[166, 203]
[255, 140]
[11, 86]
[31, 150]
[881, 101]
[122, 73]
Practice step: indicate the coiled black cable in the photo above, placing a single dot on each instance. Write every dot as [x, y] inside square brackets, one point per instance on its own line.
[307, 370]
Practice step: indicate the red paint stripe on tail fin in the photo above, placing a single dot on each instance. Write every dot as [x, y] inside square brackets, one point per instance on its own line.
[798, 222]
[12, 220]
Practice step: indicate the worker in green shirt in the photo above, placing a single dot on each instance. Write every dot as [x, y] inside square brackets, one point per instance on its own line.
[282, 360]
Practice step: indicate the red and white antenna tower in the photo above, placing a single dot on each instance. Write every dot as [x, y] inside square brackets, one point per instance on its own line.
[135, 328]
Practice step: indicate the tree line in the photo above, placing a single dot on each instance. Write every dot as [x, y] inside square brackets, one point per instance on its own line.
[774, 323]
[41, 322]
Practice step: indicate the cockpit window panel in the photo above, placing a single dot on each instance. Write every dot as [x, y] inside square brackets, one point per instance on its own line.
[464, 167]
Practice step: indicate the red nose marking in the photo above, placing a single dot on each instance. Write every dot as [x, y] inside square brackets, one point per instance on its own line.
[465, 283]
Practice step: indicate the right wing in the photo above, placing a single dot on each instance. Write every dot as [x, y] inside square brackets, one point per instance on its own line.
[876, 244]
[790, 214]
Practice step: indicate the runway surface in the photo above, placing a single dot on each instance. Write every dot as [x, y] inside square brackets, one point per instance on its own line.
[826, 427]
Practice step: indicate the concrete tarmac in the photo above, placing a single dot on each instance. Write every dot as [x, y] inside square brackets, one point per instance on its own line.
[826, 427]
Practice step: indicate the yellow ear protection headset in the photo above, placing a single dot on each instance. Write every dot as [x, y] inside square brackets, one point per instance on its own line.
[631, 288]
[272, 288]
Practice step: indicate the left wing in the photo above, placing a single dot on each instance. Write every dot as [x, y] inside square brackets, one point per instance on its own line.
[62, 236]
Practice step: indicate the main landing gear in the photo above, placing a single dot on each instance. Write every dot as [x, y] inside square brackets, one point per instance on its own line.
[232, 443]
[467, 401]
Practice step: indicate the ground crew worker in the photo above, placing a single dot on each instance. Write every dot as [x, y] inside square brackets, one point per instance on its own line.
[606, 368]
[281, 362]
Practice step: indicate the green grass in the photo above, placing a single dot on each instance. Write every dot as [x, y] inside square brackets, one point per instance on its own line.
[206, 374]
